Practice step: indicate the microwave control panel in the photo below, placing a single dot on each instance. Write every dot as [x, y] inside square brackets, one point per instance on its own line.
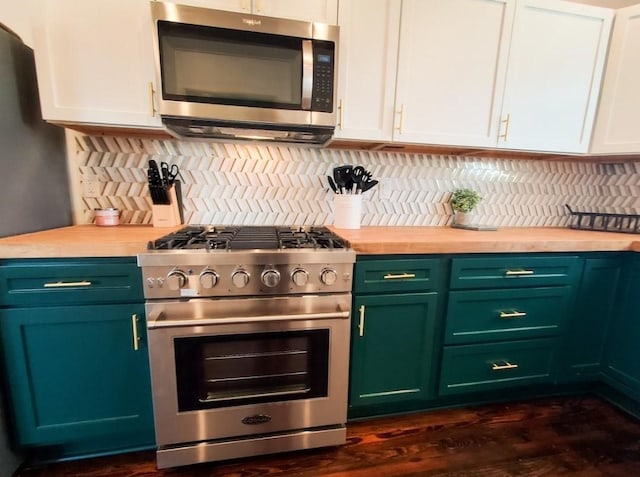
[323, 76]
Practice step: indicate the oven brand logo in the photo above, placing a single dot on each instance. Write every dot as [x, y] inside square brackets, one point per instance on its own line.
[257, 419]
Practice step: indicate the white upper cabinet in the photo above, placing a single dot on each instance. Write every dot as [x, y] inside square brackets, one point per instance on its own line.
[367, 59]
[617, 127]
[452, 63]
[509, 74]
[558, 51]
[94, 62]
[323, 11]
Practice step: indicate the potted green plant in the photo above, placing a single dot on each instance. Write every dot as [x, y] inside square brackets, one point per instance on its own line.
[463, 201]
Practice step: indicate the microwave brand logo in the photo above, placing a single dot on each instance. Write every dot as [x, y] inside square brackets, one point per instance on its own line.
[257, 419]
[252, 21]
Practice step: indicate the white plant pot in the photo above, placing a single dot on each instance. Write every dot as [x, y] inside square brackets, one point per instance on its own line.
[463, 218]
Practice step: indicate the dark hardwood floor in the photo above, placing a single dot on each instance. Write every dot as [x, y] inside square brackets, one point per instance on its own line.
[544, 437]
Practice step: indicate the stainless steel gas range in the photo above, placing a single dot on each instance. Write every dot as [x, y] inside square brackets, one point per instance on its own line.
[248, 331]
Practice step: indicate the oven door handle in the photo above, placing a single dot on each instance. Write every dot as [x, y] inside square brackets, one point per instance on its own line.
[158, 320]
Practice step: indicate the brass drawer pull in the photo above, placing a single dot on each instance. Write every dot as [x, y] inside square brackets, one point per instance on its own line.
[83, 283]
[398, 276]
[513, 314]
[136, 337]
[515, 273]
[500, 367]
[361, 322]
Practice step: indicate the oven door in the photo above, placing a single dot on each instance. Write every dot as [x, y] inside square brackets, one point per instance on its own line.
[238, 367]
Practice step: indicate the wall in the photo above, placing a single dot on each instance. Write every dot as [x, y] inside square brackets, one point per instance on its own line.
[17, 17]
[229, 184]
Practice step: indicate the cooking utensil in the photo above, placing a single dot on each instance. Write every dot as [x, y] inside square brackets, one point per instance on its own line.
[369, 185]
[332, 184]
[169, 173]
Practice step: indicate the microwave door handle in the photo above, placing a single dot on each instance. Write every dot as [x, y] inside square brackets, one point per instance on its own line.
[307, 74]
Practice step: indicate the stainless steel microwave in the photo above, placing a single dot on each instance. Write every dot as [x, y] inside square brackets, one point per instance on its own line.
[233, 76]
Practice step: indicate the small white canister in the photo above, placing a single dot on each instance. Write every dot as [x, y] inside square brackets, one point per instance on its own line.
[107, 217]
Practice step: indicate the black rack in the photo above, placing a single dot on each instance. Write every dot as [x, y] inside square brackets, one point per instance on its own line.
[605, 222]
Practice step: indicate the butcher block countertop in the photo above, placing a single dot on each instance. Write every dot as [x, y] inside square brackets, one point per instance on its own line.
[399, 240]
[129, 240]
[82, 241]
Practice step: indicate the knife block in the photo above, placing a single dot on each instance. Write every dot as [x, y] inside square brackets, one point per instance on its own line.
[167, 215]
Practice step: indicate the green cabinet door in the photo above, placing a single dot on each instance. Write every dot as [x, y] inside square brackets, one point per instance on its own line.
[74, 375]
[393, 349]
[623, 341]
[584, 338]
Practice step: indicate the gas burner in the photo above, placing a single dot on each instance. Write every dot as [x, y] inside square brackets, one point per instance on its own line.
[208, 237]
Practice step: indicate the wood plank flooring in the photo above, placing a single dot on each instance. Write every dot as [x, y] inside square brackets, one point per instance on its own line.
[545, 437]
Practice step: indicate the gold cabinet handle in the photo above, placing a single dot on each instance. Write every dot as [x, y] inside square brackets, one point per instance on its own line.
[501, 367]
[152, 97]
[136, 337]
[515, 273]
[506, 121]
[340, 125]
[513, 314]
[401, 120]
[83, 283]
[399, 276]
[361, 322]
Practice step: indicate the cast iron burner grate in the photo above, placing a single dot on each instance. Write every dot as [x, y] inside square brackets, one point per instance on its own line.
[604, 222]
[210, 237]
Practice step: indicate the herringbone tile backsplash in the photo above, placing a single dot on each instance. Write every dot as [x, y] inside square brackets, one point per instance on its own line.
[229, 184]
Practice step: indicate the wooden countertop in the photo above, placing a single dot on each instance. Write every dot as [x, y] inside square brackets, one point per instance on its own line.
[399, 240]
[129, 240]
[82, 241]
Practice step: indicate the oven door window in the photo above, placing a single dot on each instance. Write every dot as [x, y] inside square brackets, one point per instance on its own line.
[222, 371]
[219, 66]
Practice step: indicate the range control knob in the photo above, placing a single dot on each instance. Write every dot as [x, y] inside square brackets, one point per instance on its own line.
[176, 279]
[270, 277]
[208, 279]
[328, 276]
[300, 277]
[240, 278]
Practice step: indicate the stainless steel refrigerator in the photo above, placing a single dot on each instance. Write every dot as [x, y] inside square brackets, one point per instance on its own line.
[34, 190]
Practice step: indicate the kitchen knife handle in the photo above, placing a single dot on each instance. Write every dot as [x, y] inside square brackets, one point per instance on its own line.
[83, 283]
[361, 322]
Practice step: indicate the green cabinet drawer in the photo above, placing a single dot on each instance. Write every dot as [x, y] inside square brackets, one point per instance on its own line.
[490, 315]
[491, 366]
[58, 282]
[514, 271]
[397, 275]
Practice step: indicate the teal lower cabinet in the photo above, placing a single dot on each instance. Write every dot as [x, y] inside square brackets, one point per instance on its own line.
[622, 354]
[495, 366]
[77, 374]
[74, 357]
[394, 355]
[582, 350]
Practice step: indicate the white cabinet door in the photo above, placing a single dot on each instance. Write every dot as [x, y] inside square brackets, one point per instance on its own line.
[323, 11]
[557, 55]
[367, 60]
[617, 127]
[452, 64]
[94, 62]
